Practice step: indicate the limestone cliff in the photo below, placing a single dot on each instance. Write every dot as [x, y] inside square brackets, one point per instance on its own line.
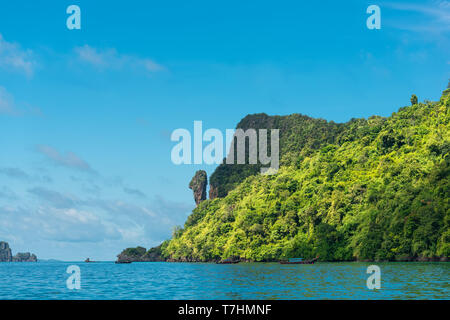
[6, 254]
[198, 185]
[213, 192]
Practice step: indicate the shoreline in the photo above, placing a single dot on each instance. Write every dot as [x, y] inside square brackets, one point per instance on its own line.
[213, 262]
[444, 259]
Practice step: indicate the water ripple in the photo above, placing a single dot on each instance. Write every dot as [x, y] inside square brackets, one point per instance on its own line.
[106, 280]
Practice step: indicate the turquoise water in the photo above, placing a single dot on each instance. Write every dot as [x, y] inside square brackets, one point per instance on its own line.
[157, 280]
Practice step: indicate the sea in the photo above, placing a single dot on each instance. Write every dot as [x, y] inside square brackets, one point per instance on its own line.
[204, 281]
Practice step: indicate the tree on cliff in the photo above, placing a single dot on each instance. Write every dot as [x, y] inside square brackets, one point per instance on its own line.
[198, 185]
[413, 99]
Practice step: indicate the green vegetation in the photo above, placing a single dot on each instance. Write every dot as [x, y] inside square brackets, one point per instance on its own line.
[199, 180]
[153, 254]
[414, 99]
[135, 252]
[374, 189]
[299, 136]
[140, 254]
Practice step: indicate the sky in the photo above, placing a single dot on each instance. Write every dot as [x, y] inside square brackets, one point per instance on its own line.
[86, 115]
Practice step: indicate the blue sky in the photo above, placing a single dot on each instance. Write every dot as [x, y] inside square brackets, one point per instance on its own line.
[86, 115]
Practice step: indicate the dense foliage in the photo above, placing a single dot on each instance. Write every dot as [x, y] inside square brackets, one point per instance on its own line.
[140, 254]
[133, 254]
[369, 189]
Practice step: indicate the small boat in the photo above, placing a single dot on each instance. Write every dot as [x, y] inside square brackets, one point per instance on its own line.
[299, 261]
[88, 260]
[228, 261]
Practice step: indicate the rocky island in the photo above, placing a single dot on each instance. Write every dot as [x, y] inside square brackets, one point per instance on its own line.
[6, 254]
[140, 254]
[372, 189]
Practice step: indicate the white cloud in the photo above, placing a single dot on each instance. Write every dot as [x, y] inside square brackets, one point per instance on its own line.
[90, 55]
[151, 222]
[14, 173]
[73, 225]
[57, 224]
[65, 218]
[69, 159]
[7, 193]
[13, 57]
[111, 59]
[435, 16]
[136, 192]
[7, 103]
[40, 219]
[9, 107]
[56, 199]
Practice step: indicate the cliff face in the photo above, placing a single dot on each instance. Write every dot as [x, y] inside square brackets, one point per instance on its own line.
[198, 185]
[5, 252]
[213, 192]
[6, 255]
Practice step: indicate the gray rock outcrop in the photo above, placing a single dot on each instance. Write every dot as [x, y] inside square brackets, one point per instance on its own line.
[24, 257]
[6, 254]
[198, 185]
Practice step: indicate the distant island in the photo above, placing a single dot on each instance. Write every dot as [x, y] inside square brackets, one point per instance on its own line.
[373, 189]
[6, 254]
